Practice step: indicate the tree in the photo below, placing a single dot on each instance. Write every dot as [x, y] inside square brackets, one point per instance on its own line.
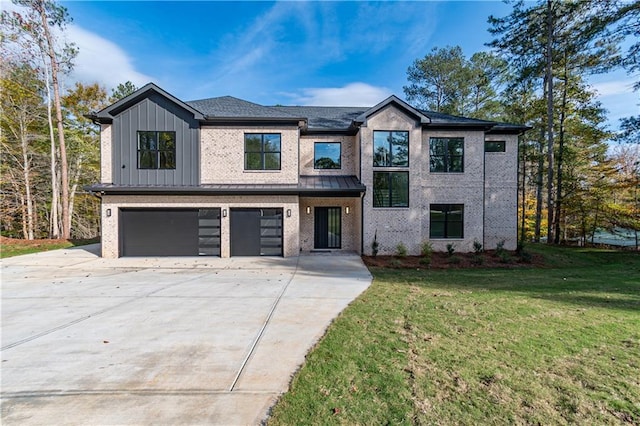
[543, 42]
[21, 112]
[122, 91]
[31, 29]
[84, 152]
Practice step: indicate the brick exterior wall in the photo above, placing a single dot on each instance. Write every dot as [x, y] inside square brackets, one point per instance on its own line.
[222, 156]
[392, 225]
[350, 237]
[106, 154]
[349, 155]
[501, 194]
[110, 225]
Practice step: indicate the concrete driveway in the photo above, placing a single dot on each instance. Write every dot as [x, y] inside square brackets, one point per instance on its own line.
[87, 340]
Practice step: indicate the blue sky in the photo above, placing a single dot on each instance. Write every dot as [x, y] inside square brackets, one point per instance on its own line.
[297, 53]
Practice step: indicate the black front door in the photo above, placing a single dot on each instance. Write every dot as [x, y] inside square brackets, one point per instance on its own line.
[328, 227]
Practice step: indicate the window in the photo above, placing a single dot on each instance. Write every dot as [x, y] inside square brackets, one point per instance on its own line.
[156, 150]
[494, 146]
[446, 220]
[326, 155]
[446, 155]
[390, 189]
[262, 151]
[390, 149]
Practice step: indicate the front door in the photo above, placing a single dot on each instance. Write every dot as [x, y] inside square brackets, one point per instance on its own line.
[328, 227]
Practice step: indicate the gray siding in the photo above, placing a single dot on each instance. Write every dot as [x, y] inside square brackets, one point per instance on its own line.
[155, 113]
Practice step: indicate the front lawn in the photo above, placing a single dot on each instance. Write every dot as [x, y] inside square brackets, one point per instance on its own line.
[10, 247]
[550, 345]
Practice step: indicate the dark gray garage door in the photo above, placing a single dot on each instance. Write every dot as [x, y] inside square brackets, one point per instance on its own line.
[256, 232]
[170, 232]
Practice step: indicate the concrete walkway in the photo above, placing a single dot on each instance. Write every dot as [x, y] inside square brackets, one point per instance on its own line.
[190, 341]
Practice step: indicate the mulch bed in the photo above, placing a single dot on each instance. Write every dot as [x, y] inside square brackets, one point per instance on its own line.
[487, 259]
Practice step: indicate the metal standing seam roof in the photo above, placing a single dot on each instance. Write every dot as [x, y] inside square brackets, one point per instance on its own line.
[307, 185]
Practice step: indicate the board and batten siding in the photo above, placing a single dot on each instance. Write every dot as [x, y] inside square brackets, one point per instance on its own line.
[159, 114]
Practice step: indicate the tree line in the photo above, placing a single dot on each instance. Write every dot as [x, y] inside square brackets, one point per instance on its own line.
[49, 149]
[575, 175]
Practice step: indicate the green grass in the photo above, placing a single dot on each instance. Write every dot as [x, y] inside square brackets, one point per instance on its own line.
[11, 247]
[552, 345]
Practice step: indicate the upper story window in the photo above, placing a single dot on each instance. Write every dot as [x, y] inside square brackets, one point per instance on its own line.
[446, 220]
[390, 149]
[494, 146]
[390, 189]
[446, 155]
[156, 150]
[326, 155]
[262, 151]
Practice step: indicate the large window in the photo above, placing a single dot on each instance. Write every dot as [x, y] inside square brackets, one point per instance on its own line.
[262, 151]
[390, 149]
[446, 221]
[326, 155]
[446, 155]
[390, 189]
[156, 150]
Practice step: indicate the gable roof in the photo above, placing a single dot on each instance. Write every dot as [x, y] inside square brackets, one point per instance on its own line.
[317, 118]
[393, 99]
[105, 115]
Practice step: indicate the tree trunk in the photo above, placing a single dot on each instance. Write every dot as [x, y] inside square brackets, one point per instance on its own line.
[560, 153]
[66, 222]
[54, 227]
[26, 174]
[550, 165]
[539, 186]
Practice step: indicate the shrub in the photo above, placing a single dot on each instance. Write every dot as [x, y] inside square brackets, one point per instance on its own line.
[455, 260]
[426, 261]
[500, 248]
[477, 259]
[426, 249]
[374, 245]
[395, 263]
[451, 248]
[477, 247]
[401, 250]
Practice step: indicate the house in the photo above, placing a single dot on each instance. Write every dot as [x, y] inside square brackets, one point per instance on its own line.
[226, 177]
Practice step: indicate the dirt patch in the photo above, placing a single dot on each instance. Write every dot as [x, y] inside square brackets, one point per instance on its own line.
[487, 259]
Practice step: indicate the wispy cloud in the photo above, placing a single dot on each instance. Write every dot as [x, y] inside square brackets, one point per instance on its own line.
[100, 60]
[612, 88]
[353, 94]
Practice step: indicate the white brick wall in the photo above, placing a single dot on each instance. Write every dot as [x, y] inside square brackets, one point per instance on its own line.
[222, 156]
[349, 160]
[106, 154]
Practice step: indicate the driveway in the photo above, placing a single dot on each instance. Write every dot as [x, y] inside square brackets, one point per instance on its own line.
[87, 340]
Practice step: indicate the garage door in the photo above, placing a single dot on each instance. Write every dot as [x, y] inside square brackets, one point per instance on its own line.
[256, 232]
[170, 232]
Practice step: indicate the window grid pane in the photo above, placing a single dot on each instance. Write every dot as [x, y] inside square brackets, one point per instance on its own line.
[390, 149]
[262, 151]
[156, 150]
[446, 221]
[446, 155]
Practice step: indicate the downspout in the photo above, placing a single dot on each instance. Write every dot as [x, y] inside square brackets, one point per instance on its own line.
[484, 190]
[362, 195]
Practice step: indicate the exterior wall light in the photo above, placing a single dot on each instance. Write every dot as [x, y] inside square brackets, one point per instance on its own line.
[224, 212]
[108, 212]
[288, 212]
[347, 210]
[308, 209]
